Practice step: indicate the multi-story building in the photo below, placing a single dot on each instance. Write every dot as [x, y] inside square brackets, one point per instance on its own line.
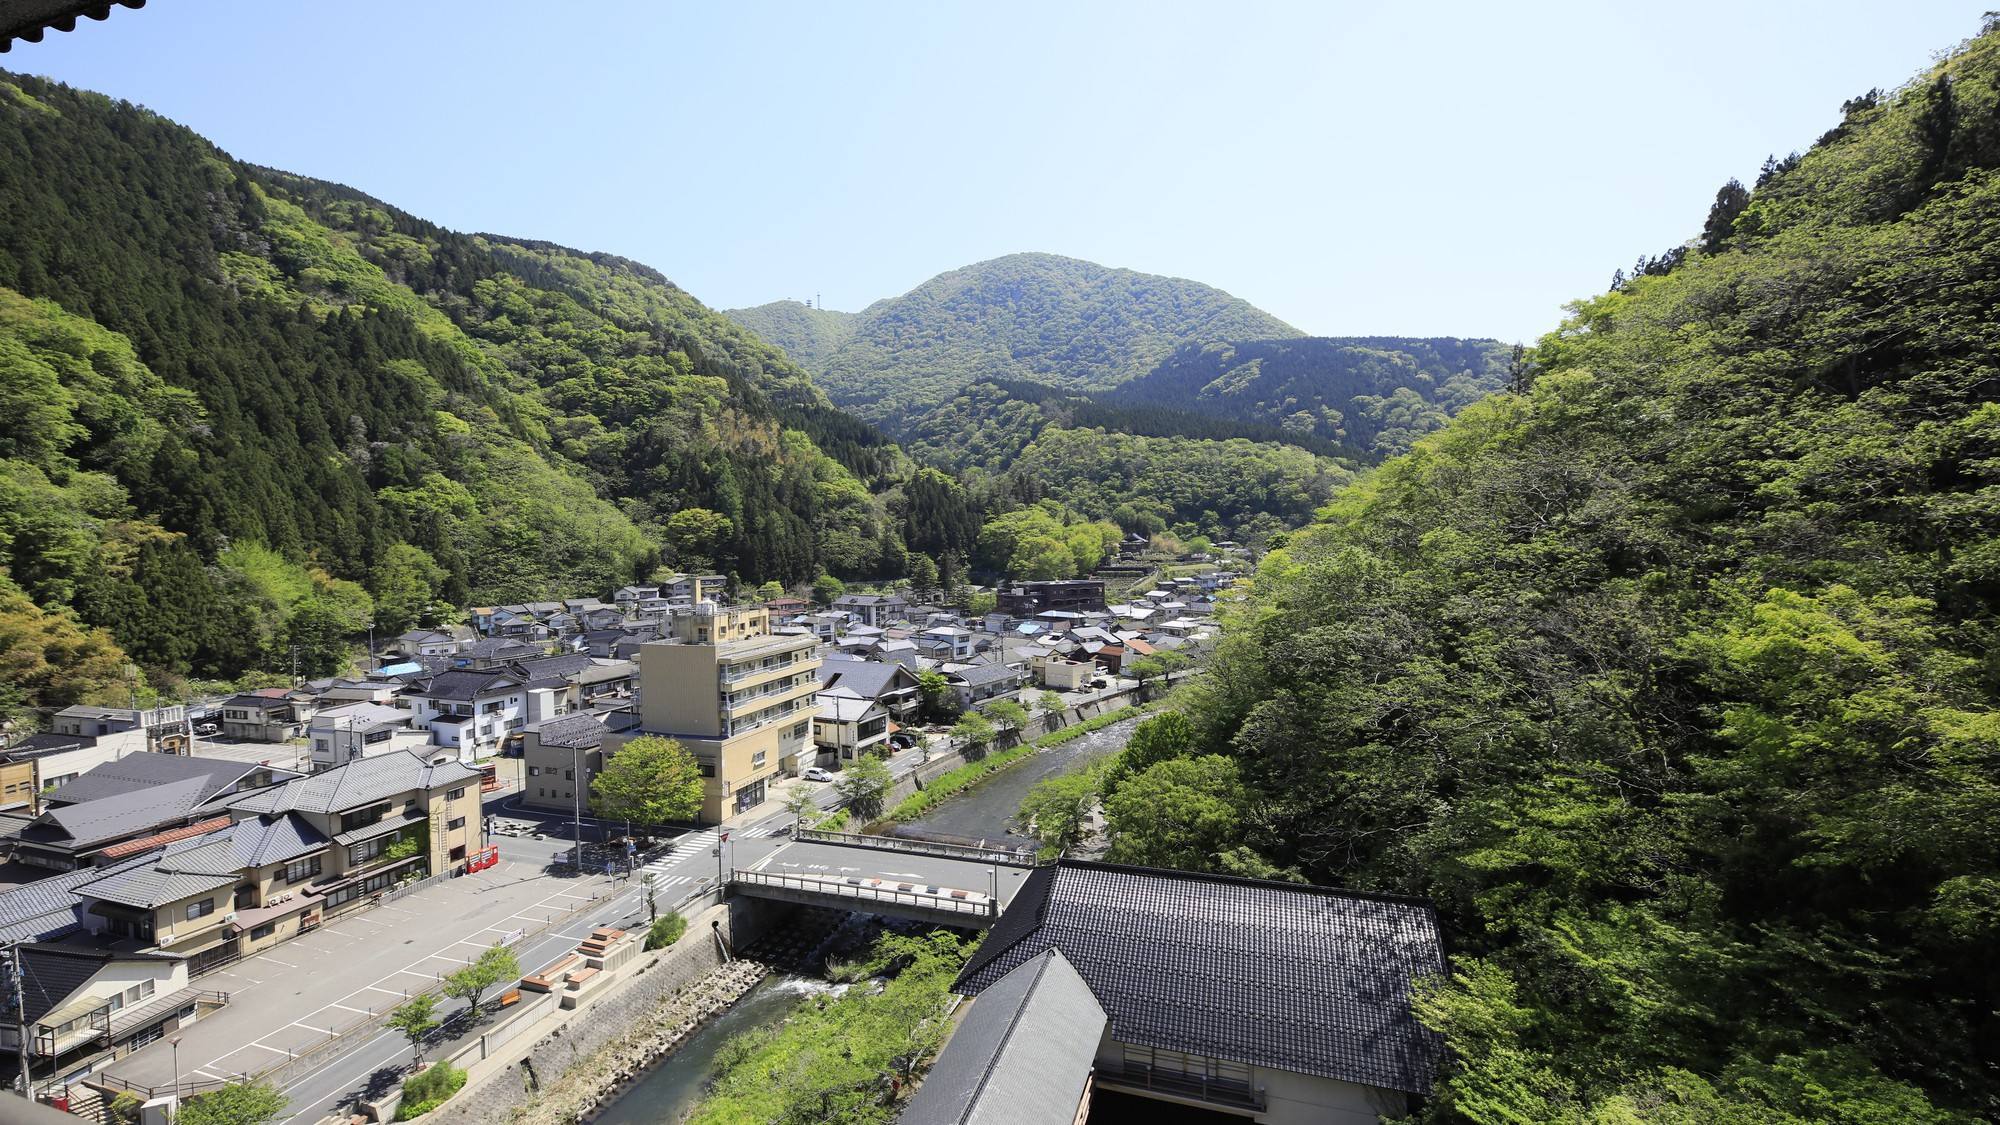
[296, 853]
[739, 696]
[1025, 599]
[469, 709]
[339, 735]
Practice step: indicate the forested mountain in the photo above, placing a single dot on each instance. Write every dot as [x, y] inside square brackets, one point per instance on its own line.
[1376, 393]
[809, 335]
[1033, 317]
[201, 358]
[1671, 677]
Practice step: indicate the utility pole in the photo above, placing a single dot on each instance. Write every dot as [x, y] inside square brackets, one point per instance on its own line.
[721, 838]
[576, 800]
[21, 1018]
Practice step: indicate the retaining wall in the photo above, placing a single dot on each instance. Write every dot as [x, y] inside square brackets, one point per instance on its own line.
[494, 1095]
[944, 762]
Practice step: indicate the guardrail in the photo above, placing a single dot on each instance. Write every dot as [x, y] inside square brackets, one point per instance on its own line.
[1017, 857]
[872, 891]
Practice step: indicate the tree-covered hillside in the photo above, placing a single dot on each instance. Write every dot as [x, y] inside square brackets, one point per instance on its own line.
[1376, 393]
[1671, 679]
[1035, 317]
[809, 335]
[205, 354]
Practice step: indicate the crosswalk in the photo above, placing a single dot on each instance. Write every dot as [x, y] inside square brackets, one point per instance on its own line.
[688, 848]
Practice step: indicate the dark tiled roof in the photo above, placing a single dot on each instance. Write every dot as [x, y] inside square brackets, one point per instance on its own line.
[464, 684]
[46, 908]
[868, 678]
[980, 674]
[1305, 979]
[1021, 1056]
[50, 973]
[45, 744]
[559, 667]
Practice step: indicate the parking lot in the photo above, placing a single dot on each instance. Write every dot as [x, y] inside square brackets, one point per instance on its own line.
[304, 992]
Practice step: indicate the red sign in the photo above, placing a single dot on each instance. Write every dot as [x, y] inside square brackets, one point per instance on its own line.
[482, 859]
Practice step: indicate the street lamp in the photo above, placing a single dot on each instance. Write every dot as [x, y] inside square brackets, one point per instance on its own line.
[175, 1042]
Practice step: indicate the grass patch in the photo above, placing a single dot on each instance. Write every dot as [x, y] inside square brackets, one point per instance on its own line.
[831, 1059]
[665, 930]
[428, 1090]
[954, 782]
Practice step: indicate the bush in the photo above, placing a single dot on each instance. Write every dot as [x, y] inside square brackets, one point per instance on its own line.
[428, 1090]
[665, 930]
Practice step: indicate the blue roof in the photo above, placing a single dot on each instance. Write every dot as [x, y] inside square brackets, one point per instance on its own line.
[399, 669]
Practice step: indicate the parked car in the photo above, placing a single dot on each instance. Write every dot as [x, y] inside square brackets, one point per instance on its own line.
[207, 728]
[902, 741]
[815, 773]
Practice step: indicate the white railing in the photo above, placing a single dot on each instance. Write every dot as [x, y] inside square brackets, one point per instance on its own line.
[876, 890]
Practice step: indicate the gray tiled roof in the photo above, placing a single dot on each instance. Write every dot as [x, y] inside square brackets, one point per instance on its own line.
[977, 675]
[178, 871]
[1305, 979]
[868, 678]
[52, 972]
[113, 818]
[148, 770]
[1021, 1056]
[46, 908]
[561, 666]
[355, 784]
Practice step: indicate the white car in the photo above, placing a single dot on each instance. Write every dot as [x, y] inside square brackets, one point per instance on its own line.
[814, 773]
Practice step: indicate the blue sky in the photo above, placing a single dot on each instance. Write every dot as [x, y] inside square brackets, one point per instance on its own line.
[1439, 169]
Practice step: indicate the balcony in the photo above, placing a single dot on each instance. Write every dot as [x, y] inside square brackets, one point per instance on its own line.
[737, 673]
[1215, 1089]
[766, 718]
[736, 702]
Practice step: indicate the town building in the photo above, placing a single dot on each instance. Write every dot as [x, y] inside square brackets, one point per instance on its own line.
[876, 610]
[849, 726]
[976, 683]
[268, 715]
[105, 814]
[1270, 1002]
[338, 735]
[894, 686]
[1025, 599]
[470, 710]
[82, 1005]
[737, 695]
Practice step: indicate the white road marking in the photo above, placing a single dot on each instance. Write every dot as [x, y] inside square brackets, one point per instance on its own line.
[309, 1027]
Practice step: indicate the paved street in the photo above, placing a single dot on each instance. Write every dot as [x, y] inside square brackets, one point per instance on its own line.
[839, 861]
[342, 980]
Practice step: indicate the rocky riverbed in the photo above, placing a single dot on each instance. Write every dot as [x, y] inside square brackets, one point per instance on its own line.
[597, 1081]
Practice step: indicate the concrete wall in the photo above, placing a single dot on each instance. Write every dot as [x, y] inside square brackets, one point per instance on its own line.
[943, 762]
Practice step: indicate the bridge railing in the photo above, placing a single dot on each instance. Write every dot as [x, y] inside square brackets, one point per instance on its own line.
[977, 905]
[1021, 857]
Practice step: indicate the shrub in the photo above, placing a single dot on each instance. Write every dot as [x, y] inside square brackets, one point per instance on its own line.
[665, 930]
[428, 1090]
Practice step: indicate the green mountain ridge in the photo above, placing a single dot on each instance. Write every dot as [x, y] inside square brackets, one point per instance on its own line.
[308, 369]
[809, 335]
[1031, 317]
[1668, 674]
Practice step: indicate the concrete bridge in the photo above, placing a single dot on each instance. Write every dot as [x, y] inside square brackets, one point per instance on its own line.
[944, 884]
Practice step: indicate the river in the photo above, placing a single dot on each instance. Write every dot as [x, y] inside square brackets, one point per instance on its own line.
[673, 1087]
[986, 811]
[670, 1090]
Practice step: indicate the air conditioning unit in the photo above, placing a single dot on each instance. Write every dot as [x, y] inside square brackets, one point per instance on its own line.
[229, 917]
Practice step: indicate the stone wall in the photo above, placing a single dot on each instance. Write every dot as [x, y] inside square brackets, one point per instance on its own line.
[497, 1096]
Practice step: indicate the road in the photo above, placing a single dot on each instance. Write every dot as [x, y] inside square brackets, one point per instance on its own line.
[344, 978]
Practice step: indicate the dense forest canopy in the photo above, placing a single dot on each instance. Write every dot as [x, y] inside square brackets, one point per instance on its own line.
[1669, 674]
[1031, 317]
[809, 335]
[1378, 394]
[205, 355]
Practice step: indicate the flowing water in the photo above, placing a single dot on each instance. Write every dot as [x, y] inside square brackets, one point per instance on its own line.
[669, 1091]
[986, 811]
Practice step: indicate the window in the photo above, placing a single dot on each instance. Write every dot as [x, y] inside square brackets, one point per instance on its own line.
[456, 793]
[302, 869]
[757, 759]
[569, 775]
[534, 771]
[454, 823]
[368, 849]
[200, 909]
[263, 931]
